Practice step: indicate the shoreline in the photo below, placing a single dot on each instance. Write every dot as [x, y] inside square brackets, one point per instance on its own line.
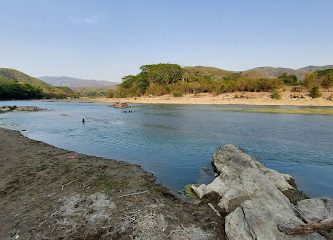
[51, 193]
[237, 98]
[47, 192]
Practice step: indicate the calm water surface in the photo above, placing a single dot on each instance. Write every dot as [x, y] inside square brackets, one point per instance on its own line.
[176, 141]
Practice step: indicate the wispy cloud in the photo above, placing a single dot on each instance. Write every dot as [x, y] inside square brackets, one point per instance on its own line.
[83, 20]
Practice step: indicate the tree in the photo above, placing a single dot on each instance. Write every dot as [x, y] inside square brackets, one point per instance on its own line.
[162, 73]
[314, 92]
[289, 79]
[310, 80]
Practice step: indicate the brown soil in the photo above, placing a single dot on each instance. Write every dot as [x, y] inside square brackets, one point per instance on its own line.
[242, 98]
[51, 193]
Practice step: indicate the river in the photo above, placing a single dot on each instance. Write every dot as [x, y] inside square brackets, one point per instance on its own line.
[175, 142]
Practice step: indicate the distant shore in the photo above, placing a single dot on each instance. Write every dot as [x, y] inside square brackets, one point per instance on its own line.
[236, 98]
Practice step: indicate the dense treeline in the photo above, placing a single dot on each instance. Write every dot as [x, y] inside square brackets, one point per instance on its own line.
[17, 85]
[19, 91]
[160, 79]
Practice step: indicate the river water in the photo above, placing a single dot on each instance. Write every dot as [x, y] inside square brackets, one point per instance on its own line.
[175, 142]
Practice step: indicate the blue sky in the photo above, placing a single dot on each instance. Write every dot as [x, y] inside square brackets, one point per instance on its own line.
[107, 39]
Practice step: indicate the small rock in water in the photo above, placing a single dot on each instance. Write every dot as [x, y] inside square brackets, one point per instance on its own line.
[120, 105]
[21, 108]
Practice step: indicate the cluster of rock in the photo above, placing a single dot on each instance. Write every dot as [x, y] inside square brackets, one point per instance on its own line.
[21, 108]
[256, 201]
[120, 105]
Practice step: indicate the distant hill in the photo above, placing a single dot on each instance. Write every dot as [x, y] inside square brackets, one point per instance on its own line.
[75, 83]
[259, 72]
[274, 72]
[201, 70]
[19, 81]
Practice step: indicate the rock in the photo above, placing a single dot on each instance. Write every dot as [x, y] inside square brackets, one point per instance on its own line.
[29, 109]
[239, 174]
[253, 195]
[316, 209]
[21, 108]
[120, 105]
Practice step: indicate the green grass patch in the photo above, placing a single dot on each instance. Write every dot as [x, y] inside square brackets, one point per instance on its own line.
[108, 184]
[189, 192]
[306, 111]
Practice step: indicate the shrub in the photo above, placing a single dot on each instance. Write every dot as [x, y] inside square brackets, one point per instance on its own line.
[258, 85]
[288, 79]
[275, 94]
[156, 90]
[120, 92]
[296, 89]
[225, 86]
[314, 92]
[111, 93]
[177, 94]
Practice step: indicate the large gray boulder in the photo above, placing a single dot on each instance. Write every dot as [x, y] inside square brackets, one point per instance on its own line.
[316, 209]
[253, 195]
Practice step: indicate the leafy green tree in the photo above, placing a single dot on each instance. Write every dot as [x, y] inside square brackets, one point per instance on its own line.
[310, 80]
[14, 90]
[326, 77]
[162, 73]
[314, 92]
[289, 79]
[275, 94]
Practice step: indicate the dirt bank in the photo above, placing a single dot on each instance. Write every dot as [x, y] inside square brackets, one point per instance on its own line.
[50, 193]
[243, 98]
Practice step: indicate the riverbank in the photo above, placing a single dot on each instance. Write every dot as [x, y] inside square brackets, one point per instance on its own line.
[51, 193]
[237, 98]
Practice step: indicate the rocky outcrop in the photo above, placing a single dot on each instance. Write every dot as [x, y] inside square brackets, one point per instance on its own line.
[21, 108]
[120, 105]
[253, 196]
[316, 209]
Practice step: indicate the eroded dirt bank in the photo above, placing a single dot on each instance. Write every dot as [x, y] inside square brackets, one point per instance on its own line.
[50, 193]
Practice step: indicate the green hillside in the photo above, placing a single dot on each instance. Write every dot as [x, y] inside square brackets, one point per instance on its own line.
[17, 85]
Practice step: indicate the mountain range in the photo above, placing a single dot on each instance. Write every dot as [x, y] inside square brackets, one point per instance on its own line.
[259, 72]
[75, 83]
[273, 72]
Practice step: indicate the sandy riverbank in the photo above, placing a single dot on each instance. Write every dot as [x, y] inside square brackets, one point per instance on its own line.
[51, 193]
[247, 98]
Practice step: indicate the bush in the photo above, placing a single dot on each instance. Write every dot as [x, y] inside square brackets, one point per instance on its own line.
[177, 94]
[156, 90]
[120, 92]
[296, 89]
[275, 94]
[111, 93]
[288, 79]
[225, 86]
[314, 92]
[258, 85]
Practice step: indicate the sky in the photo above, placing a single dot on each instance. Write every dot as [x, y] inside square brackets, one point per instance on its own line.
[108, 39]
